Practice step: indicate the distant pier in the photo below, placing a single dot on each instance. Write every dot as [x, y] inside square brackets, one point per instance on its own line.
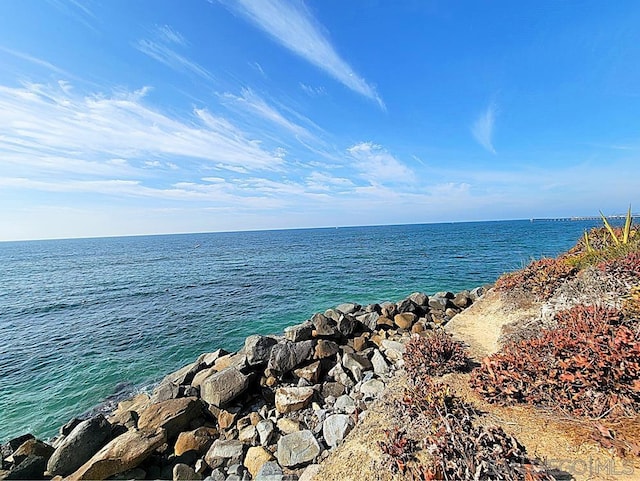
[593, 217]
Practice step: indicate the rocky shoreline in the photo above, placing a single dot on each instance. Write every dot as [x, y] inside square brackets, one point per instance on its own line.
[270, 411]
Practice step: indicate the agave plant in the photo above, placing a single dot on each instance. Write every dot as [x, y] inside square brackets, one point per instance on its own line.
[626, 231]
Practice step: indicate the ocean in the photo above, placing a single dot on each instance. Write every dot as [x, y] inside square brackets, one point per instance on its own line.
[87, 321]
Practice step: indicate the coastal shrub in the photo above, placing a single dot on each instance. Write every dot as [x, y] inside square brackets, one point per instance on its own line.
[626, 267]
[435, 354]
[461, 448]
[588, 365]
[540, 277]
[398, 450]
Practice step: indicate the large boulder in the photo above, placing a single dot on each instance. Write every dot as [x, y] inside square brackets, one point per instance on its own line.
[78, 447]
[405, 320]
[221, 388]
[32, 447]
[199, 441]
[173, 415]
[299, 332]
[323, 326]
[420, 299]
[369, 320]
[256, 457]
[348, 308]
[297, 449]
[223, 449]
[310, 372]
[289, 399]
[258, 349]
[265, 430]
[325, 348]
[287, 355]
[346, 325]
[356, 364]
[31, 467]
[125, 452]
[335, 428]
[380, 366]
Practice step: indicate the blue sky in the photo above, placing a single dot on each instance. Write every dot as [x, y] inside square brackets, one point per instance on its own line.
[128, 117]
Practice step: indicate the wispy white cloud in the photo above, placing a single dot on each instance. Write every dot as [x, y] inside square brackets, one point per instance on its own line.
[482, 128]
[162, 48]
[320, 181]
[256, 105]
[36, 61]
[312, 91]
[78, 10]
[378, 166]
[42, 125]
[259, 68]
[293, 26]
[170, 35]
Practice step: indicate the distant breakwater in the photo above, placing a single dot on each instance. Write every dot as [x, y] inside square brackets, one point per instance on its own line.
[271, 410]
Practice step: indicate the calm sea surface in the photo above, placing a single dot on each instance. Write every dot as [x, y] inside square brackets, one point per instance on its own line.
[83, 320]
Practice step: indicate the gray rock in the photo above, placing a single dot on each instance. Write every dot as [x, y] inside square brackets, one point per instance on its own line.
[335, 428]
[372, 387]
[297, 449]
[183, 472]
[235, 469]
[445, 294]
[348, 308]
[333, 314]
[323, 326]
[299, 332]
[216, 475]
[346, 325]
[356, 364]
[32, 467]
[287, 355]
[77, 448]
[477, 293]
[265, 430]
[380, 366]
[332, 389]
[325, 348]
[407, 305]
[438, 303]
[270, 471]
[419, 298]
[462, 299]
[223, 449]
[10, 446]
[289, 399]
[369, 320]
[165, 391]
[393, 349]
[258, 349]
[339, 374]
[345, 404]
[310, 472]
[173, 415]
[66, 429]
[221, 388]
[388, 309]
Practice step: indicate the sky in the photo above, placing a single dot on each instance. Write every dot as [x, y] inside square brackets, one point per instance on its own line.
[128, 117]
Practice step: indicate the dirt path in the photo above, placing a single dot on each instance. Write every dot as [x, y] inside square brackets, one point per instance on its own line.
[564, 444]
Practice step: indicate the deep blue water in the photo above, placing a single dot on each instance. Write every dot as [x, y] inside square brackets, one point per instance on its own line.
[83, 318]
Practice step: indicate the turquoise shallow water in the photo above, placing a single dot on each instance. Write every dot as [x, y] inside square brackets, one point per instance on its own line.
[84, 319]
